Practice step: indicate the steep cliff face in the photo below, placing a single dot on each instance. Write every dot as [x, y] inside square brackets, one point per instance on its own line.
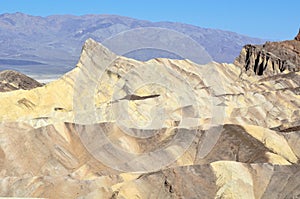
[271, 58]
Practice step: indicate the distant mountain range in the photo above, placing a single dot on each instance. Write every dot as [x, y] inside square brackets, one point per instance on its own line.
[52, 45]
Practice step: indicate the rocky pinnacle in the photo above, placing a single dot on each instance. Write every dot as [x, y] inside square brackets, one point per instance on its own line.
[298, 36]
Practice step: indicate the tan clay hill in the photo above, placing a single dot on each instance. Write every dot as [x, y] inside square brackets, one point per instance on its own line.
[115, 127]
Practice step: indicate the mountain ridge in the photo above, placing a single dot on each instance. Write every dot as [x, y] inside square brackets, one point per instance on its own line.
[56, 40]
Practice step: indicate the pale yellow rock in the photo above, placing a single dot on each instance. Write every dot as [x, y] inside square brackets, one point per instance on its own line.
[275, 142]
[245, 101]
[233, 180]
[277, 159]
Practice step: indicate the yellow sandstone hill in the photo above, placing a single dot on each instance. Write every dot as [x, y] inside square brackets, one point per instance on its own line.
[114, 127]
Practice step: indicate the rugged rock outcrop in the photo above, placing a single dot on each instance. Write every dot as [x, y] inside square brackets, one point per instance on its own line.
[114, 127]
[297, 38]
[13, 80]
[271, 58]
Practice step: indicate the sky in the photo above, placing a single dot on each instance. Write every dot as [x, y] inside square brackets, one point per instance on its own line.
[268, 19]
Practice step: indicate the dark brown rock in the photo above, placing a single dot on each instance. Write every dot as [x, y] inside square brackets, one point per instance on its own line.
[271, 58]
[13, 80]
[297, 38]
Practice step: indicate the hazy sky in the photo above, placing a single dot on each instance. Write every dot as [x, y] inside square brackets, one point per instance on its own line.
[277, 19]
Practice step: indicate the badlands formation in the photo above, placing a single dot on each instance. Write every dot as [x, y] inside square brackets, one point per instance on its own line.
[114, 127]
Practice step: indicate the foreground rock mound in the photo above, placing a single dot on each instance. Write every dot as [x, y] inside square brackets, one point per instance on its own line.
[54, 163]
[13, 80]
[114, 127]
[271, 58]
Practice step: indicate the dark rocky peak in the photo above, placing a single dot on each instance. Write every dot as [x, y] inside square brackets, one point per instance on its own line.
[271, 58]
[297, 38]
[13, 80]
